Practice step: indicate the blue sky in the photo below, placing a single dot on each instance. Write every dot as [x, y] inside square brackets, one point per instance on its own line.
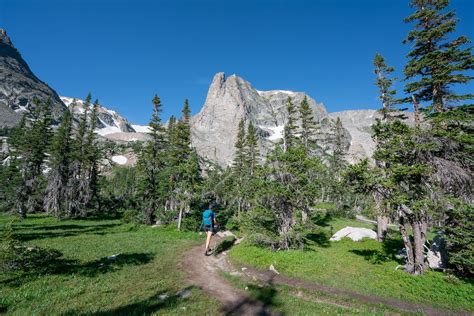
[125, 51]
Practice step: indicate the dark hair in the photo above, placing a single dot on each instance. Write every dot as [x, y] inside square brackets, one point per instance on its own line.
[212, 206]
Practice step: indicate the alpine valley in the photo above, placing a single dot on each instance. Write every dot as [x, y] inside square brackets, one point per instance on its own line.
[213, 130]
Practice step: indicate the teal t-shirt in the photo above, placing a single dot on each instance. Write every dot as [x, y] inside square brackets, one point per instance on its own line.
[208, 217]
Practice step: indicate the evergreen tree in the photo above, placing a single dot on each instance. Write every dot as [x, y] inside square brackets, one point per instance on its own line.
[437, 61]
[92, 161]
[60, 164]
[251, 149]
[289, 137]
[386, 92]
[239, 156]
[150, 165]
[78, 188]
[30, 154]
[308, 124]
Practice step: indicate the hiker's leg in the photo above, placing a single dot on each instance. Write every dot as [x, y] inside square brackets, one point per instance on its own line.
[208, 239]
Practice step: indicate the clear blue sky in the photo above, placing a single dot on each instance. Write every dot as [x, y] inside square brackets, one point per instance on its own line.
[126, 51]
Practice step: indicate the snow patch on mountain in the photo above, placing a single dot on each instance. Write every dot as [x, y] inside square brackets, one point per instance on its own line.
[277, 132]
[109, 121]
[119, 159]
[141, 128]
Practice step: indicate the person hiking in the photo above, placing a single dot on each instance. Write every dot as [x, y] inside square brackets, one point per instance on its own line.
[208, 222]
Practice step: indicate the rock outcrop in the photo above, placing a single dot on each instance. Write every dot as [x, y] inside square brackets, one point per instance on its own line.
[359, 125]
[19, 86]
[229, 100]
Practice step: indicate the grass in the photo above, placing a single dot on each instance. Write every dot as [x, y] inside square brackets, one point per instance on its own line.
[367, 267]
[290, 301]
[87, 282]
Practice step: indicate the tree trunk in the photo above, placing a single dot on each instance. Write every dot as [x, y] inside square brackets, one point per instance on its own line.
[410, 261]
[180, 217]
[419, 227]
[382, 220]
[382, 224]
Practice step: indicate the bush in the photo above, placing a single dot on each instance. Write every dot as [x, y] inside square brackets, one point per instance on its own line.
[132, 216]
[15, 256]
[460, 239]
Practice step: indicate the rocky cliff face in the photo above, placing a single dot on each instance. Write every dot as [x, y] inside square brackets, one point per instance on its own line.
[19, 86]
[229, 100]
[359, 125]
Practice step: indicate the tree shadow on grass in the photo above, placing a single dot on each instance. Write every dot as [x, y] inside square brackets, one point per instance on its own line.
[390, 248]
[93, 268]
[150, 305]
[41, 232]
[320, 238]
[322, 220]
[260, 302]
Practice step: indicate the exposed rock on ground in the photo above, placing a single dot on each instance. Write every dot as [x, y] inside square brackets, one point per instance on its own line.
[354, 233]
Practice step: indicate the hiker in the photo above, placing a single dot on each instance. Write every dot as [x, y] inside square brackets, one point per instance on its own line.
[208, 222]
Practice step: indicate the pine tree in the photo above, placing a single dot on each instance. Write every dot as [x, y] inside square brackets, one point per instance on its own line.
[437, 61]
[389, 114]
[92, 161]
[31, 155]
[239, 156]
[289, 137]
[60, 164]
[78, 188]
[308, 124]
[150, 165]
[251, 149]
[387, 93]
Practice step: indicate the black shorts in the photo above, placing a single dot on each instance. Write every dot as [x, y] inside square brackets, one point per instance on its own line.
[208, 228]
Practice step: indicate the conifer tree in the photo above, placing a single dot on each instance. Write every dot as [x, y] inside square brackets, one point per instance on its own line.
[308, 124]
[150, 165]
[239, 156]
[289, 137]
[437, 61]
[60, 164]
[386, 92]
[77, 188]
[389, 113]
[31, 154]
[251, 149]
[92, 160]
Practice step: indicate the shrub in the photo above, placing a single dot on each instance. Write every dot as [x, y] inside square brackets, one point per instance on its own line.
[15, 256]
[460, 239]
[132, 216]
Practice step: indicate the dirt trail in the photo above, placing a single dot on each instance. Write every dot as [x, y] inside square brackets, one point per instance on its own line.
[204, 272]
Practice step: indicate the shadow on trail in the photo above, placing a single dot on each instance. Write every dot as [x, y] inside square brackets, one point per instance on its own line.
[260, 302]
[150, 305]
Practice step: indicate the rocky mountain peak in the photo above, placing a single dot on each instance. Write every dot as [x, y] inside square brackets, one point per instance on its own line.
[230, 100]
[4, 38]
[19, 86]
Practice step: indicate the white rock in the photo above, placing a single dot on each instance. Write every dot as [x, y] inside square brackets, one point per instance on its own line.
[354, 233]
[226, 233]
[272, 268]
[437, 256]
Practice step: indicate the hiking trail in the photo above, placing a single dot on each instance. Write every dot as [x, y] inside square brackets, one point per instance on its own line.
[204, 272]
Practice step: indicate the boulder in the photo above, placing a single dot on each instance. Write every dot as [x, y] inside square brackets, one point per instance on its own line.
[354, 233]
[437, 255]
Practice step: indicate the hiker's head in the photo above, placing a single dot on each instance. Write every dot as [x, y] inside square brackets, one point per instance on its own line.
[212, 206]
